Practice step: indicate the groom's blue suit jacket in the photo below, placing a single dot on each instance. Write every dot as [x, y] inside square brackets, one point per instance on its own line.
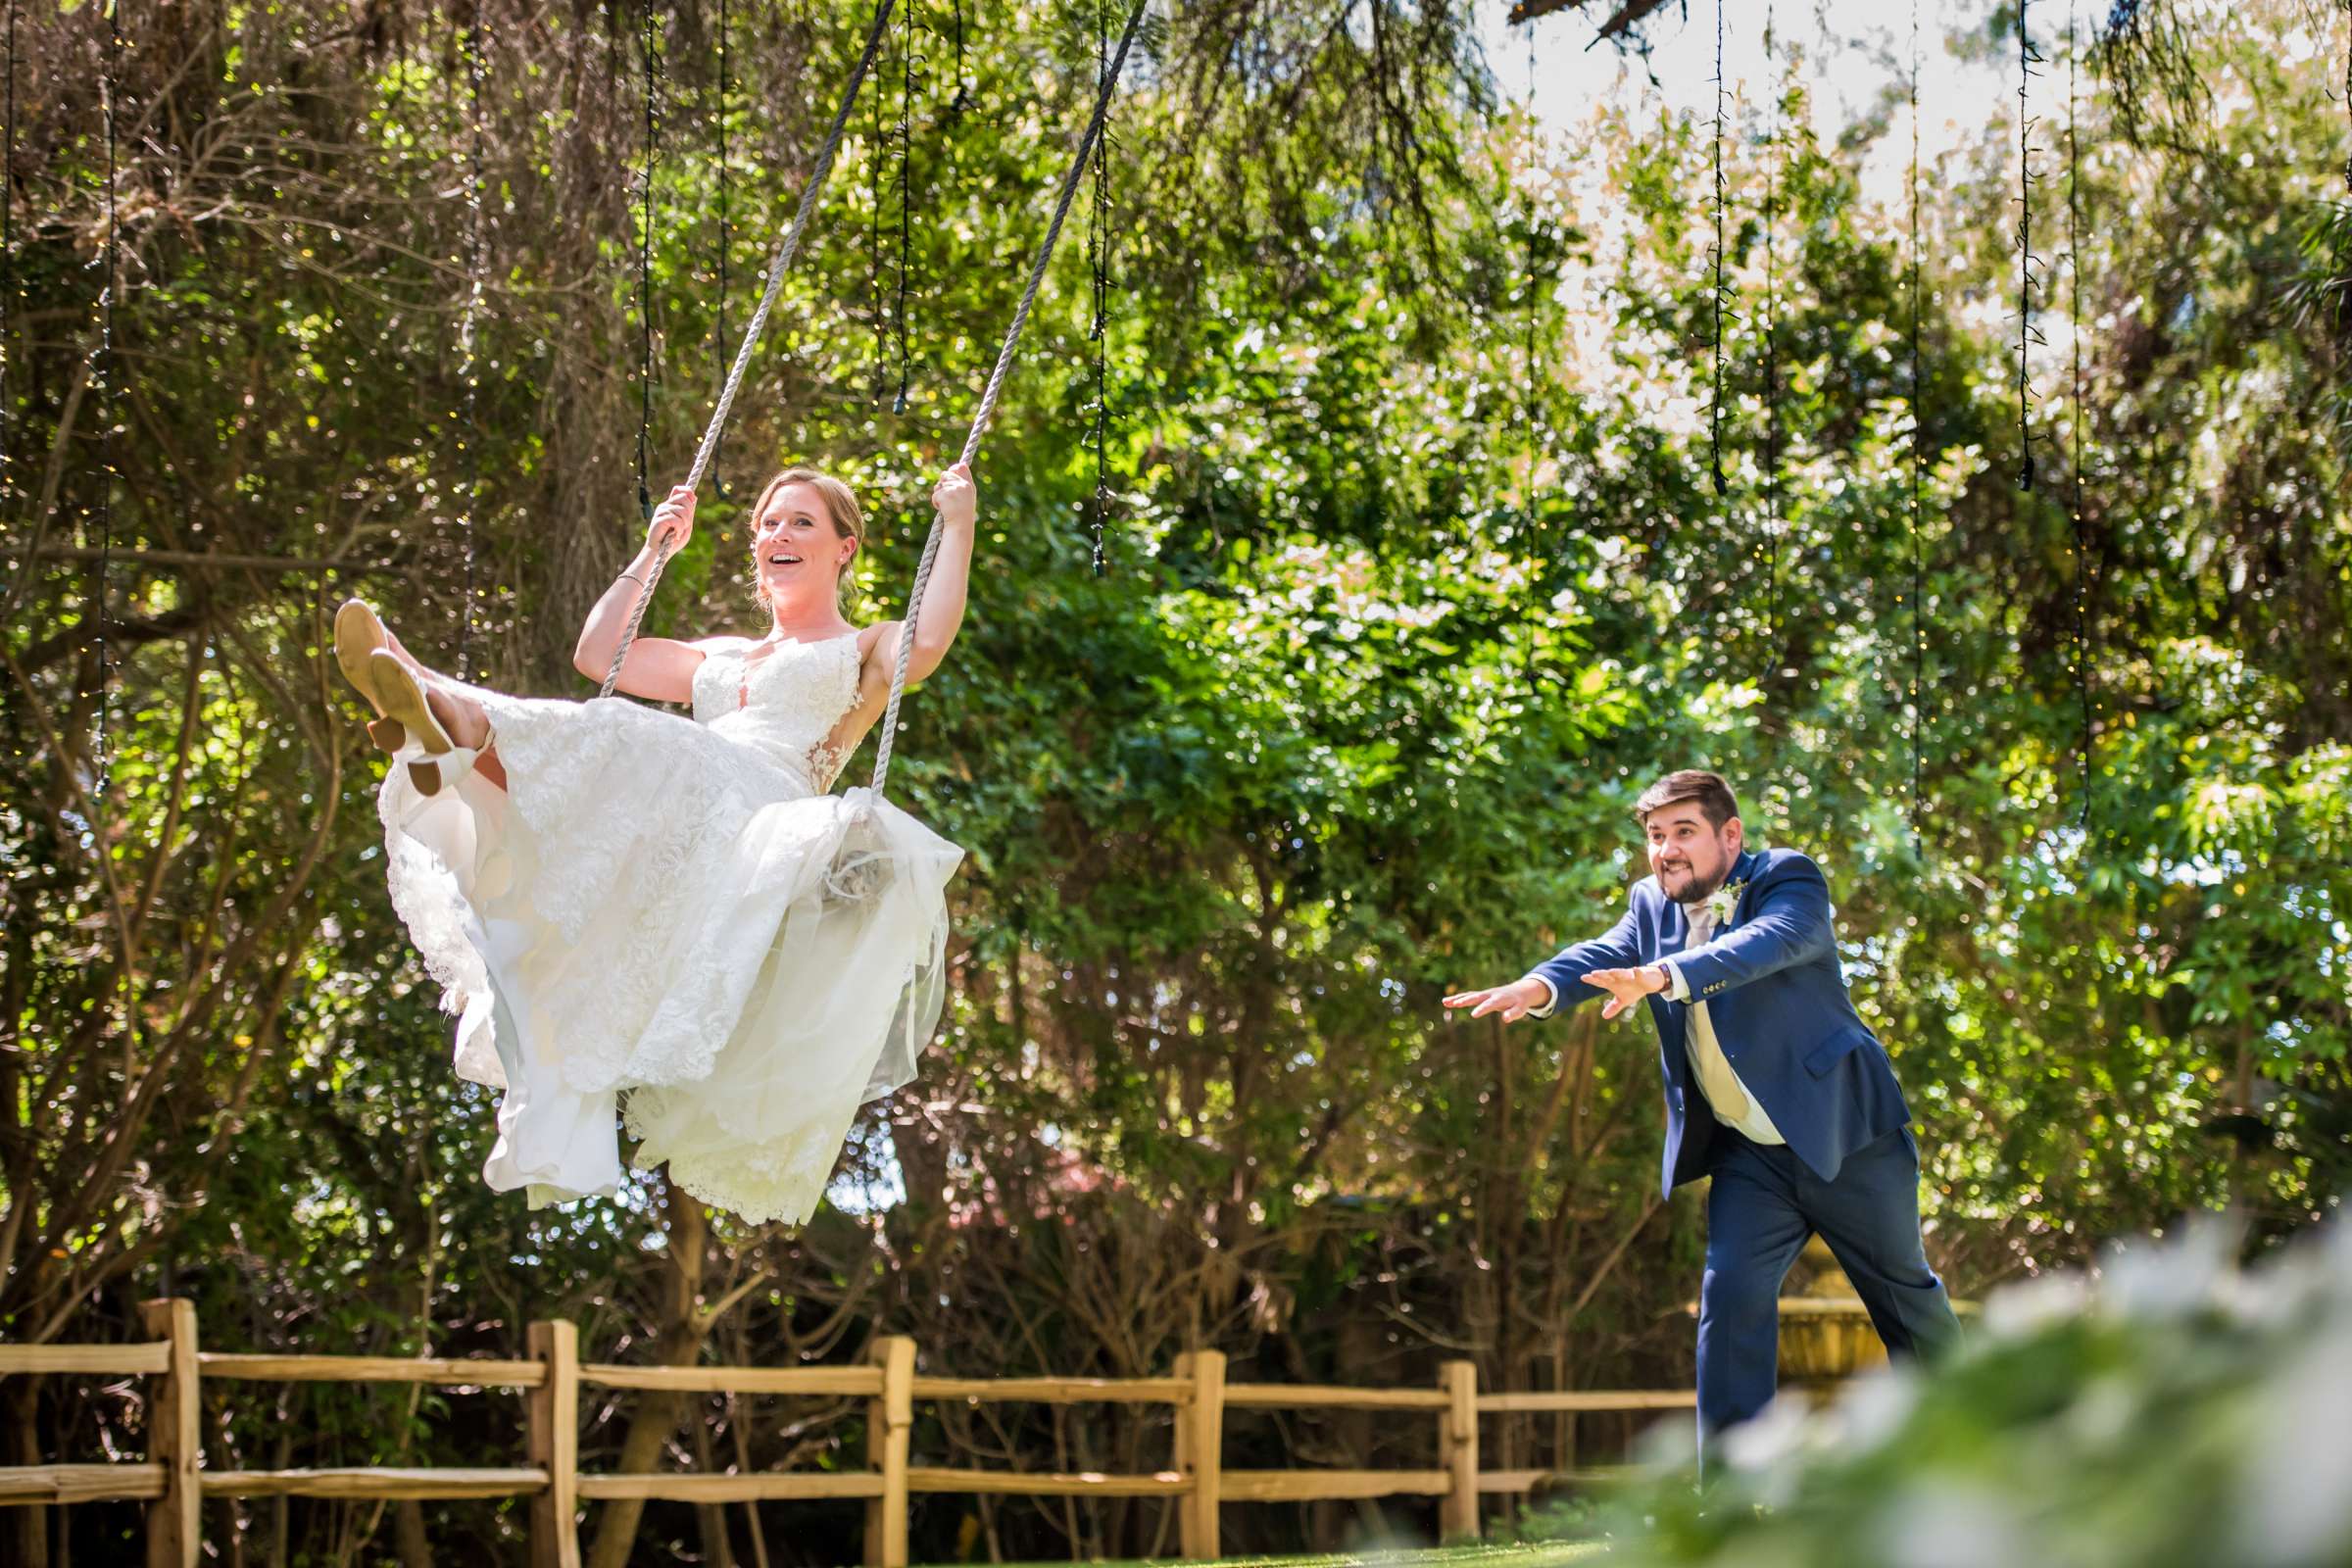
[1776, 999]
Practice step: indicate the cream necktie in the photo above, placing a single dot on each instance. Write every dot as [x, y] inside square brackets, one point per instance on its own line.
[1715, 1076]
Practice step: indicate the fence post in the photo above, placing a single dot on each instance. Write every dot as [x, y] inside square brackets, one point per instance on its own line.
[176, 1440]
[1457, 1449]
[1181, 1459]
[889, 1423]
[551, 1440]
[1201, 1449]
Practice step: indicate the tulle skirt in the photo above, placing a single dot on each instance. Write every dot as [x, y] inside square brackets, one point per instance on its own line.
[656, 921]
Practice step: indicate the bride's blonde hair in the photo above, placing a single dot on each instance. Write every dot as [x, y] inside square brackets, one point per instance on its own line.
[841, 510]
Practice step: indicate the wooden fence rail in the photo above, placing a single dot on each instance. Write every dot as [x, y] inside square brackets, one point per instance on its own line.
[173, 1483]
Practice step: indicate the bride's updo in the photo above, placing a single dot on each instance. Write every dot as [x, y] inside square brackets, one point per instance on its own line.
[841, 510]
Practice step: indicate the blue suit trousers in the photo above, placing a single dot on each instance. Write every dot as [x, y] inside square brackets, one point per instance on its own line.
[1762, 1206]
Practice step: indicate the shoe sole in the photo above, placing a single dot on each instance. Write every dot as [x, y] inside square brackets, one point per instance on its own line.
[404, 703]
[358, 635]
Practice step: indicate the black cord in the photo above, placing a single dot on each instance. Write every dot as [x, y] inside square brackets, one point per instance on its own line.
[718, 486]
[645, 283]
[2026, 335]
[109, 83]
[964, 87]
[1772, 367]
[469, 326]
[1098, 254]
[1527, 491]
[1919, 463]
[2080, 413]
[8, 268]
[906, 201]
[1715, 400]
[873, 251]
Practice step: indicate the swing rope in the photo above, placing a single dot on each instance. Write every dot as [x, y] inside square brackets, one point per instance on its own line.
[995, 383]
[987, 397]
[752, 330]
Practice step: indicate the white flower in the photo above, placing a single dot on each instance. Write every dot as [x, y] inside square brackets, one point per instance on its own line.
[1722, 902]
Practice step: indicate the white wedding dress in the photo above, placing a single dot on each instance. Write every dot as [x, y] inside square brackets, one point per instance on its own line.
[678, 913]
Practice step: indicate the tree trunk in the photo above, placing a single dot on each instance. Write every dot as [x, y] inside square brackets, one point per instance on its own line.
[678, 1342]
[29, 1526]
[408, 1534]
[717, 1551]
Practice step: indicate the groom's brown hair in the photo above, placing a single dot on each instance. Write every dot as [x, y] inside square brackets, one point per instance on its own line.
[1713, 795]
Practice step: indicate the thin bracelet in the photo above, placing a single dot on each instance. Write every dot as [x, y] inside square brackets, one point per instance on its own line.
[633, 577]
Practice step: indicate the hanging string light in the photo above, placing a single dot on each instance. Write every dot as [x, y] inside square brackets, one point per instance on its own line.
[964, 87]
[102, 378]
[2080, 416]
[1772, 337]
[907, 71]
[1715, 397]
[468, 327]
[1097, 251]
[8, 271]
[1530, 305]
[645, 270]
[1919, 467]
[718, 486]
[2027, 179]
[877, 303]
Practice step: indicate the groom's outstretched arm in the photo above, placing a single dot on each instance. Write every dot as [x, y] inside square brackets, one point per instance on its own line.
[1790, 924]
[1564, 972]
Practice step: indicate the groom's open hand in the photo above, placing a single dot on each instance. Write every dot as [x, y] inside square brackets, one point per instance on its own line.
[1625, 987]
[1510, 1003]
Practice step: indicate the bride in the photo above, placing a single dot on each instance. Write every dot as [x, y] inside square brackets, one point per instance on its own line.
[619, 902]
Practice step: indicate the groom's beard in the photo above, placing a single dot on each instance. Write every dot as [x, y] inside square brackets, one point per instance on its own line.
[1694, 891]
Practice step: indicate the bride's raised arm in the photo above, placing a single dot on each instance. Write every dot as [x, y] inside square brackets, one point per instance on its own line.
[957, 504]
[659, 668]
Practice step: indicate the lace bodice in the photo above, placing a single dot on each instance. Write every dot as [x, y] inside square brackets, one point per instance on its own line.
[796, 703]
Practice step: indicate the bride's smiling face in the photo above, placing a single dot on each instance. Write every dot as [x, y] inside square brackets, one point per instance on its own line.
[798, 552]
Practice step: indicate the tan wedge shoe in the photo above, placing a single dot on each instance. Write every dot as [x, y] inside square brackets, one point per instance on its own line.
[404, 703]
[358, 636]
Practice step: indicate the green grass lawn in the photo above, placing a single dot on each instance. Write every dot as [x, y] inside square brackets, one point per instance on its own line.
[1548, 1556]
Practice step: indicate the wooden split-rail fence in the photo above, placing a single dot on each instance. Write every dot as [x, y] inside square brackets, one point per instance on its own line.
[174, 1483]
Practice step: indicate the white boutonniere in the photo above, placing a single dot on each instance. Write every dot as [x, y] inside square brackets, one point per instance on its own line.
[1723, 901]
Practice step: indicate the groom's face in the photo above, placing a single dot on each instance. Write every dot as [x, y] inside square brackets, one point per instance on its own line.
[1689, 854]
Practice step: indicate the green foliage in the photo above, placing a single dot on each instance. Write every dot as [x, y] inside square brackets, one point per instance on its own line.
[1420, 569]
[2174, 1411]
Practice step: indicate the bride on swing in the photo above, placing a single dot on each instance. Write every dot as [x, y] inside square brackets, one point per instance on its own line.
[617, 901]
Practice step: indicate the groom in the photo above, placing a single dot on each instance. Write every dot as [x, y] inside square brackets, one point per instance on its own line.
[1774, 1087]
